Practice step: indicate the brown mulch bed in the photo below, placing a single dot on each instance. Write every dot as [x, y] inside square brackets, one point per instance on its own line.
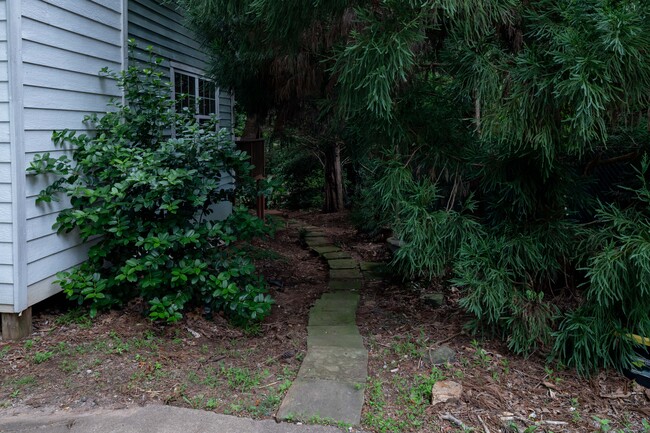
[121, 359]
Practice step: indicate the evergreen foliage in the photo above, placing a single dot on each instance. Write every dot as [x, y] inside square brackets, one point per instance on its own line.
[143, 200]
[547, 90]
[482, 134]
[617, 287]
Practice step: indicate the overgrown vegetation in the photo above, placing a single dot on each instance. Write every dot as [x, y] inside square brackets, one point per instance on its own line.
[496, 139]
[529, 206]
[143, 189]
[300, 172]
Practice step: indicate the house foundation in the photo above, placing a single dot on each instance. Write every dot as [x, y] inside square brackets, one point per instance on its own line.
[16, 326]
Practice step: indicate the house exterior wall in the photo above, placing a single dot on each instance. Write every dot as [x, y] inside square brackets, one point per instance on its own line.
[64, 45]
[50, 54]
[6, 227]
[162, 27]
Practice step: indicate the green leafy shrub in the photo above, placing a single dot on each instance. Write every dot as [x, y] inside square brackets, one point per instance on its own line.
[144, 197]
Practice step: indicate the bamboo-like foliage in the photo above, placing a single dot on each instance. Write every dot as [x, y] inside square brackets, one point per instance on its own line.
[485, 129]
[618, 285]
[546, 86]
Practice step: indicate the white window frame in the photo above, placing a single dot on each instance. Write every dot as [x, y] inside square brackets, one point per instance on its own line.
[197, 74]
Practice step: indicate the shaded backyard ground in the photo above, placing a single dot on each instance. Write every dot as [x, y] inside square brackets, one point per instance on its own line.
[121, 359]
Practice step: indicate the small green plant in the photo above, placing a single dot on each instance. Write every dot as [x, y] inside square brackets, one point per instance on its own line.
[420, 393]
[118, 346]
[406, 348]
[645, 424]
[3, 352]
[235, 408]
[505, 363]
[40, 357]
[576, 417]
[328, 421]
[211, 404]
[62, 348]
[25, 381]
[68, 366]
[28, 344]
[242, 379]
[75, 316]
[551, 374]
[195, 402]
[483, 359]
[284, 386]
[604, 425]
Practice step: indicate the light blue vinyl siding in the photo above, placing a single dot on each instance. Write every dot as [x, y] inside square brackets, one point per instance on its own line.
[6, 254]
[152, 23]
[160, 26]
[50, 82]
[65, 44]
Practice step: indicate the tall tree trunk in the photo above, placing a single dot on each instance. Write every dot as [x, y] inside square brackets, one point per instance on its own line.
[252, 129]
[333, 178]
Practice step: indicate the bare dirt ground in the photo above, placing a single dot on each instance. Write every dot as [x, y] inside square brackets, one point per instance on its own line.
[121, 359]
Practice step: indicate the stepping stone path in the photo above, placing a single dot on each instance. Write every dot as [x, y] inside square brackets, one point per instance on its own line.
[331, 381]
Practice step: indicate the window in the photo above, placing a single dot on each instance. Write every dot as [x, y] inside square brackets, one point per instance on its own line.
[195, 93]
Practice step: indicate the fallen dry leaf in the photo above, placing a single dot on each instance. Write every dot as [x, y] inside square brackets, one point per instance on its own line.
[550, 385]
[617, 394]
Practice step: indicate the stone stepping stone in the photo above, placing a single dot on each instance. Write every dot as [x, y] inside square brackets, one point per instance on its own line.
[334, 304]
[335, 363]
[343, 285]
[338, 336]
[350, 341]
[337, 255]
[334, 330]
[320, 318]
[377, 267]
[342, 264]
[320, 250]
[342, 296]
[345, 274]
[315, 235]
[350, 309]
[324, 399]
[318, 242]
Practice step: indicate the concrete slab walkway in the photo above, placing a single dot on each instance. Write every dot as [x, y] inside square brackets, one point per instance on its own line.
[150, 419]
[331, 381]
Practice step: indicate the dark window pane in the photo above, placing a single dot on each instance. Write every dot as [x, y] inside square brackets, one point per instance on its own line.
[183, 85]
[207, 95]
[191, 91]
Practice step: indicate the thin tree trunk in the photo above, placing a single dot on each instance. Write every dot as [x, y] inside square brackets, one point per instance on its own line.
[333, 179]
